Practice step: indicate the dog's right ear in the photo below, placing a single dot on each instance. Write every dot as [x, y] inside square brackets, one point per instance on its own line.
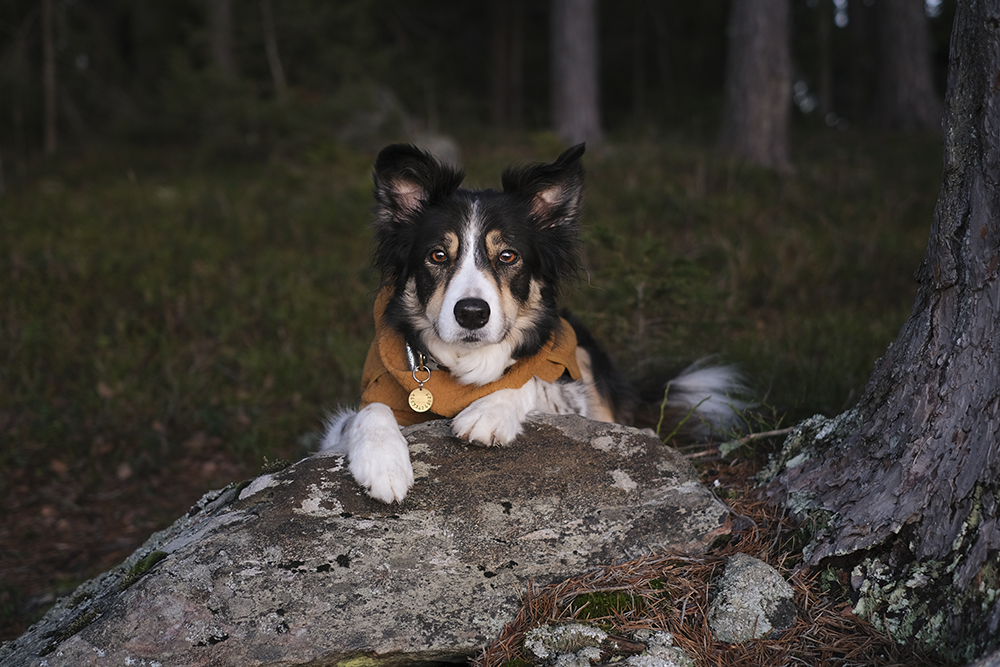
[407, 179]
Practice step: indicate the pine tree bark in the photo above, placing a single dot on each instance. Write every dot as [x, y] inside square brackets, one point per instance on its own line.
[758, 83]
[575, 112]
[905, 98]
[905, 487]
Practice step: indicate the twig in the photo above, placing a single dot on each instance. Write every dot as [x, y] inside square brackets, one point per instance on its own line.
[759, 436]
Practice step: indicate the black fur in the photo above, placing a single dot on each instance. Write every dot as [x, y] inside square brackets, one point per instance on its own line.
[616, 389]
[396, 228]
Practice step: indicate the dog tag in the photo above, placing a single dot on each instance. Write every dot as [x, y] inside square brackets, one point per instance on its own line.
[421, 400]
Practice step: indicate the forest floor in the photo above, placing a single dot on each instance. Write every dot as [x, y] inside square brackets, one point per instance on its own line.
[672, 593]
[169, 322]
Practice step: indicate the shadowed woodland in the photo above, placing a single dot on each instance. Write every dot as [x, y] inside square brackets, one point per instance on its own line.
[184, 281]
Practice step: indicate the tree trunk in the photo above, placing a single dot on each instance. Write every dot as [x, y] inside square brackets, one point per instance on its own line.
[20, 76]
[758, 83]
[905, 487]
[861, 60]
[824, 21]
[904, 88]
[500, 62]
[220, 37]
[575, 113]
[507, 63]
[271, 47]
[51, 140]
[516, 108]
[639, 21]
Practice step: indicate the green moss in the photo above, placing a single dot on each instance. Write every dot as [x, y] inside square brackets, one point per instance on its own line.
[517, 662]
[141, 567]
[360, 661]
[77, 624]
[602, 605]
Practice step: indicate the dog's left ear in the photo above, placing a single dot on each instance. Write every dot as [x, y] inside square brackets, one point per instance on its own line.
[554, 191]
[407, 179]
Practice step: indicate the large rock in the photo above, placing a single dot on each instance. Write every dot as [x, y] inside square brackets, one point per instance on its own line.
[300, 567]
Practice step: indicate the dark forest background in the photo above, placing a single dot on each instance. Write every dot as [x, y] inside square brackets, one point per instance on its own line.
[185, 194]
[248, 77]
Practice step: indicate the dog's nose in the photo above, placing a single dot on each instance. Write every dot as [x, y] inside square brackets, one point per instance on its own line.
[472, 313]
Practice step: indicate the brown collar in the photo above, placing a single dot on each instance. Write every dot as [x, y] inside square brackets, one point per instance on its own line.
[388, 377]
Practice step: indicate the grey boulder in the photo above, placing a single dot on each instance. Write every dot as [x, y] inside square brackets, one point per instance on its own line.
[301, 567]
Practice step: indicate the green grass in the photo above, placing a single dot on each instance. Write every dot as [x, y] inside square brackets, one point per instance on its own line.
[148, 296]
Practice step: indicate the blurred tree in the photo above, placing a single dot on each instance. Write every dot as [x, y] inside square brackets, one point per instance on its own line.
[905, 98]
[506, 62]
[49, 77]
[861, 59]
[758, 83]
[19, 77]
[824, 23]
[639, 18]
[575, 113]
[220, 37]
[271, 47]
[905, 487]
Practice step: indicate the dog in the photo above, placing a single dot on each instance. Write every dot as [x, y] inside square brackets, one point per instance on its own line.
[467, 324]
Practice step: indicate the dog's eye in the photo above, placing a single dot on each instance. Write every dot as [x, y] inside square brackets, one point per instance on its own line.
[507, 257]
[439, 256]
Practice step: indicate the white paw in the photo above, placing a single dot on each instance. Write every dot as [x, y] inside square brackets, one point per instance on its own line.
[492, 420]
[378, 454]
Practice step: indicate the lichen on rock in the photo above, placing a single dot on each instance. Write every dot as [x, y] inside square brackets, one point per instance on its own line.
[751, 601]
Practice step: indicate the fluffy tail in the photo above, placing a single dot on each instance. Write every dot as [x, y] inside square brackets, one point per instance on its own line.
[705, 400]
[334, 434]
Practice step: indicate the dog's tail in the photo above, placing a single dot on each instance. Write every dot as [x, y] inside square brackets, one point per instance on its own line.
[702, 401]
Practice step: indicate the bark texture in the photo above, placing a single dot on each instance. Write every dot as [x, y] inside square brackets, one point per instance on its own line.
[758, 83]
[575, 113]
[905, 98]
[909, 483]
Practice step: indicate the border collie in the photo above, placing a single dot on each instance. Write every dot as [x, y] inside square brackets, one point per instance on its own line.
[467, 325]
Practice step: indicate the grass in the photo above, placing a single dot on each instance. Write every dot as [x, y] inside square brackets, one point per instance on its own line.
[149, 297]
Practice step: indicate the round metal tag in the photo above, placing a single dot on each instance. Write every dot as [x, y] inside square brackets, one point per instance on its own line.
[421, 400]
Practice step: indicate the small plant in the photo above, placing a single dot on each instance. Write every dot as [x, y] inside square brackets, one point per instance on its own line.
[271, 467]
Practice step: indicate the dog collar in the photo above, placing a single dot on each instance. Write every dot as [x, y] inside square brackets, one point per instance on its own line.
[388, 375]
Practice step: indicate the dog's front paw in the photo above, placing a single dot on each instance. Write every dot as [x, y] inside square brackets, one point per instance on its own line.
[379, 456]
[492, 420]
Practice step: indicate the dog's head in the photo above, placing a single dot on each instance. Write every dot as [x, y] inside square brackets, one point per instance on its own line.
[475, 270]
